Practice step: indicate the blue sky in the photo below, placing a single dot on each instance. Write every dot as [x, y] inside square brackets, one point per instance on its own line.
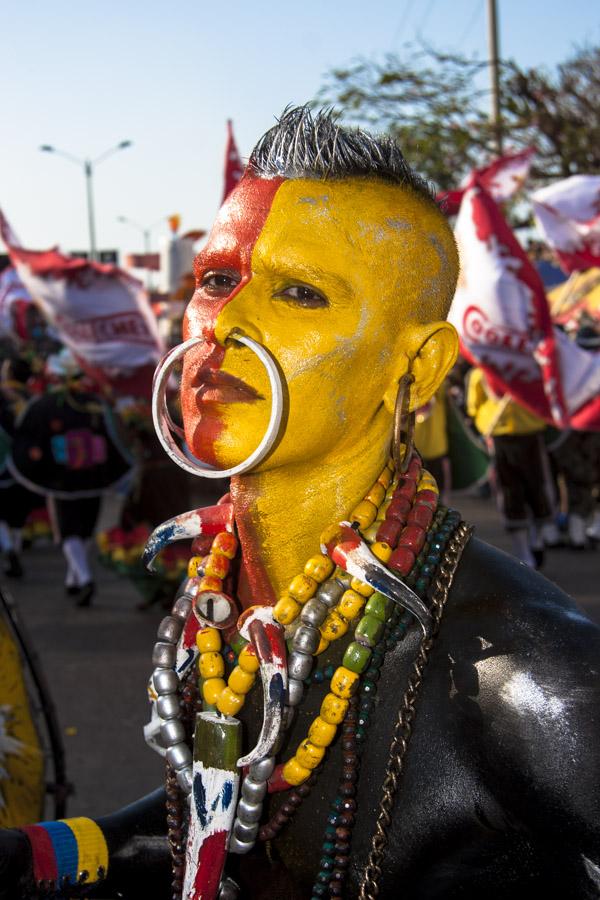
[84, 76]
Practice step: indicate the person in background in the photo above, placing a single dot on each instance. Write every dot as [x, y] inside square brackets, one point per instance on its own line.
[577, 459]
[431, 440]
[65, 447]
[16, 501]
[521, 463]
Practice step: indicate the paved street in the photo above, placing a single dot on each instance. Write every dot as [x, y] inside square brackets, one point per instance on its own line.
[97, 662]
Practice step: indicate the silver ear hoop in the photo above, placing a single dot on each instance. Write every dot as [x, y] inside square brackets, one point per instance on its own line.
[164, 425]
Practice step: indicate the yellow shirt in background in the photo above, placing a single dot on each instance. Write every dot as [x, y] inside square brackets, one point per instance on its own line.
[431, 437]
[492, 416]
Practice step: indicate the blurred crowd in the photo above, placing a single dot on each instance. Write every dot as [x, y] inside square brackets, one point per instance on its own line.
[70, 450]
[545, 482]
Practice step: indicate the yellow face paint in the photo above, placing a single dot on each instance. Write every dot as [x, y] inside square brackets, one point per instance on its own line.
[382, 260]
[345, 285]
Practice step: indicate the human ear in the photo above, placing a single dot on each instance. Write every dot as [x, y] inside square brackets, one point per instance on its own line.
[434, 352]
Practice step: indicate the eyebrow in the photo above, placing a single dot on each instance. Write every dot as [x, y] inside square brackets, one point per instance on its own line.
[304, 274]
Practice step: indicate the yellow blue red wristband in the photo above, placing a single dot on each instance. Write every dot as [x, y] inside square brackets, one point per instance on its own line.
[68, 851]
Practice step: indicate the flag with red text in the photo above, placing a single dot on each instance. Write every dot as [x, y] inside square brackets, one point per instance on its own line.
[502, 178]
[501, 313]
[99, 311]
[234, 168]
[568, 215]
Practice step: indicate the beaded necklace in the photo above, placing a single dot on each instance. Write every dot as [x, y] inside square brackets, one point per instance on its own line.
[394, 517]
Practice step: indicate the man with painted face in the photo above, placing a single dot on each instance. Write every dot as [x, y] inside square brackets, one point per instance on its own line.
[465, 762]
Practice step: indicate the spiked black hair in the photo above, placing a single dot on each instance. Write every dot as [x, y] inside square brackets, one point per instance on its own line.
[301, 145]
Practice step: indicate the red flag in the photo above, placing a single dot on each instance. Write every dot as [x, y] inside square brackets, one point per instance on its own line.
[233, 164]
[501, 178]
[100, 312]
[568, 214]
[501, 313]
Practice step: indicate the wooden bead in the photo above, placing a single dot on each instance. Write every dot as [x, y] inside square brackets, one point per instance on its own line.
[389, 532]
[376, 494]
[240, 681]
[344, 682]
[382, 550]
[216, 565]
[413, 537]
[365, 590]
[427, 496]
[385, 478]
[194, 565]
[294, 773]
[208, 639]
[402, 560]
[398, 509]
[225, 544]
[212, 688]
[247, 659]
[321, 732]
[302, 588]
[364, 513]
[211, 665]
[350, 605]
[286, 610]
[319, 567]
[210, 583]
[309, 754]
[334, 626]
[229, 703]
[333, 709]
[420, 515]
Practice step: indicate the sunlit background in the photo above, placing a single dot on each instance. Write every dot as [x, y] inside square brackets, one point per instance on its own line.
[84, 77]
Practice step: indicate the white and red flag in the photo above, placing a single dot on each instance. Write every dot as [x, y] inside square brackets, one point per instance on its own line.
[501, 313]
[568, 215]
[14, 300]
[234, 168]
[99, 311]
[502, 178]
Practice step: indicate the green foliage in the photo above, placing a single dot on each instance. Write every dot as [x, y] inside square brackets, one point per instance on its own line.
[435, 104]
[558, 112]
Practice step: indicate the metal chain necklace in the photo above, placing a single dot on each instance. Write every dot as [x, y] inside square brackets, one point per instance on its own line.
[369, 888]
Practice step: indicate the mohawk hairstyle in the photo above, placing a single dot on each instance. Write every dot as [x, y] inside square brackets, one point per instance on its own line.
[301, 145]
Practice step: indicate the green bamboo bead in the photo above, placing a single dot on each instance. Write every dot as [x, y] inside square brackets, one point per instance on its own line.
[379, 606]
[356, 658]
[370, 630]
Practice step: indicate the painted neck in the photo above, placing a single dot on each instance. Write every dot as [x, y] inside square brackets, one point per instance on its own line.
[281, 513]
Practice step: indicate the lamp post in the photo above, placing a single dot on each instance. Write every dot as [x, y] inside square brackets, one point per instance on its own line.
[88, 170]
[145, 232]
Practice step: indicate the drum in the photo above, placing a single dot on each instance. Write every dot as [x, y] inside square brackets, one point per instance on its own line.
[33, 782]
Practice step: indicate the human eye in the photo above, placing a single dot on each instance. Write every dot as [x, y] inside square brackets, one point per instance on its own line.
[219, 283]
[303, 295]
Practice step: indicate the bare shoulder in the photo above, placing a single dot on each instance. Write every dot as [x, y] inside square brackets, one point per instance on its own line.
[523, 663]
[520, 607]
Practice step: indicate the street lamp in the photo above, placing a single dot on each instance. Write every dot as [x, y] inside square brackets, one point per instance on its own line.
[145, 231]
[88, 169]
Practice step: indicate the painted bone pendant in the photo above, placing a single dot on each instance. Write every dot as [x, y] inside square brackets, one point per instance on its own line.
[346, 549]
[258, 625]
[208, 520]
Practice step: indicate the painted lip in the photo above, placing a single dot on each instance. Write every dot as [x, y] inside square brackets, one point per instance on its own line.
[215, 386]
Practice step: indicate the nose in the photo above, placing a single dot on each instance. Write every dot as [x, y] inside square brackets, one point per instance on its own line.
[239, 314]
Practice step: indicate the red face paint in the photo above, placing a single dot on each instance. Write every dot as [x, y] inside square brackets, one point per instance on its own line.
[229, 247]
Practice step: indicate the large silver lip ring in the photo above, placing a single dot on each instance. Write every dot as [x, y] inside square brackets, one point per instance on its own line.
[165, 427]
